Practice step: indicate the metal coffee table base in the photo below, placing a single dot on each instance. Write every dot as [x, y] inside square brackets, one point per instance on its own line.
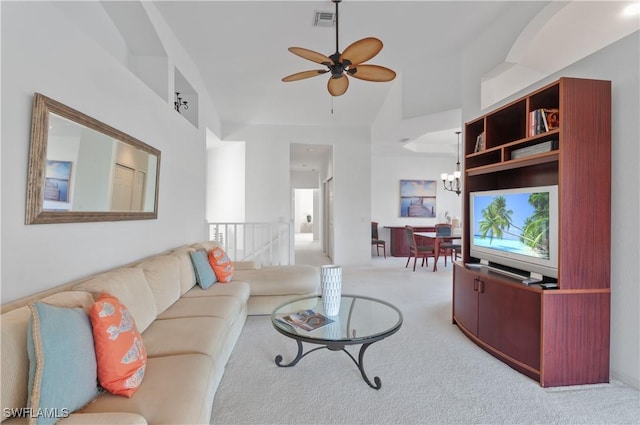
[362, 321]
[335, 347]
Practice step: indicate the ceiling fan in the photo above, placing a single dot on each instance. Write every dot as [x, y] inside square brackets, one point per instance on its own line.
[348, 63]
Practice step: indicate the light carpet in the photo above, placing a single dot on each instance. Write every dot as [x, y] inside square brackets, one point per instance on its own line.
[430, 372]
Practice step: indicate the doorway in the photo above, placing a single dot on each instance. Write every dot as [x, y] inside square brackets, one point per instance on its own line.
[310, 165]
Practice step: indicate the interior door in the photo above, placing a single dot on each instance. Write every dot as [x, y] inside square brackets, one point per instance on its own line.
[128, 189]
[123, 188]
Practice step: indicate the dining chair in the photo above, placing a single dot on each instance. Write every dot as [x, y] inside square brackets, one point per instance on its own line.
[375, 240]
[449, 247]
[417, 251]
[443, 229]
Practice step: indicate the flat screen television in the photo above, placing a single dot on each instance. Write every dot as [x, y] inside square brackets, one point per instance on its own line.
[516, 228]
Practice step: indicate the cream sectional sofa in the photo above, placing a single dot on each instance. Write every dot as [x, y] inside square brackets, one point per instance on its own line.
[189, 333]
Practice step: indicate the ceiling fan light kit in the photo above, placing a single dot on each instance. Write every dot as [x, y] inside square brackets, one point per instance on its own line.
[340, 65]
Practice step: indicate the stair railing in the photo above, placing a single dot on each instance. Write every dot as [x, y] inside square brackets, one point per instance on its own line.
[266, 244]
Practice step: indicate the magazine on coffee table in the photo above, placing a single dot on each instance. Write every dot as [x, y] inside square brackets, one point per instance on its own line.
[307, 320]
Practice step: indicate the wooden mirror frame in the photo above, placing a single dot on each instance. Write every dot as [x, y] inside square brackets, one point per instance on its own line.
[35, 212]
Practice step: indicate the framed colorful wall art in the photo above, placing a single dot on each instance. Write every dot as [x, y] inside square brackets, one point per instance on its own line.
[418, 198]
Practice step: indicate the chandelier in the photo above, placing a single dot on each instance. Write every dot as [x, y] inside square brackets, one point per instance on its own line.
[451, 182]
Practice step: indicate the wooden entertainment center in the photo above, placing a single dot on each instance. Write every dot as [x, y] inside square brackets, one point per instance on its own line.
[555, 336]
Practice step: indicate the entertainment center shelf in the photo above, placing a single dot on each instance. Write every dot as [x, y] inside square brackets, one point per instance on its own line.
[558, 136]
[497, 158]
[514, 163]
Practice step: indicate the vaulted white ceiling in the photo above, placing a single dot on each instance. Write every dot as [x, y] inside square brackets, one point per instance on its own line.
[240, 50]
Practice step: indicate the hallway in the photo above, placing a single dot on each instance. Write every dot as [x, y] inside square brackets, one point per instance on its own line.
[308, 251]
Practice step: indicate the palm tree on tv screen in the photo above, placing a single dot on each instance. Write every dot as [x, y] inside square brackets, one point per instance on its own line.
[536, 227]
[497, 221]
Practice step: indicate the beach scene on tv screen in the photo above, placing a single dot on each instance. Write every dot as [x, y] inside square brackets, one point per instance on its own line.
[515, 223]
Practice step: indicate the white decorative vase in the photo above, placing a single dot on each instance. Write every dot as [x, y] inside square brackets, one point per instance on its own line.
[331, 286]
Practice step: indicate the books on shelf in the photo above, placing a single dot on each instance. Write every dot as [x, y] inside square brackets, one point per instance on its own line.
[307, 320]
[543, 147]
[543, 120]
[479, 143]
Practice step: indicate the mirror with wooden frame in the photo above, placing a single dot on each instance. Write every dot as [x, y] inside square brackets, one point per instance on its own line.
[82, 170]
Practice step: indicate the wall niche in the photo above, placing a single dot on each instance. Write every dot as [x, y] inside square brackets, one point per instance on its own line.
[185, 100]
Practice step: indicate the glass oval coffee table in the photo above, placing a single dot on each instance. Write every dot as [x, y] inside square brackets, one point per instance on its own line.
[361, 321]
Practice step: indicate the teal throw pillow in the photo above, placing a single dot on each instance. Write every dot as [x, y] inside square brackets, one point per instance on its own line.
[62, 362]
[205, 277]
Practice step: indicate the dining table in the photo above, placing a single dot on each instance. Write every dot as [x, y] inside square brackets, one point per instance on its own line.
[437, 240]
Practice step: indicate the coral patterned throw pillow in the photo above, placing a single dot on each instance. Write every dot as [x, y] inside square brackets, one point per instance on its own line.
[120, 353]
[221, 264]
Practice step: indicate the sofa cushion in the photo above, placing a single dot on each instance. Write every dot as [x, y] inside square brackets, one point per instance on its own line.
[176, 390]
[245, 265]
[70, 299]
[185, 335]
[236, 288]
[281, 280]
[163, 276]
[187, 274]
[120, 351]
[14, 361]
[221, 264]
[62, 361]
[205, 277]
[228, 308]
[131, 288]
[206, 245]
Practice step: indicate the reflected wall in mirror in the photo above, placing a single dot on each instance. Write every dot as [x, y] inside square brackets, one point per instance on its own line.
[81, 169]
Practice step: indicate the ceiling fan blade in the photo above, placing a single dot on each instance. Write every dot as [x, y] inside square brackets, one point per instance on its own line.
[338, 86]
[304, 74]
[372, 73]
[311, 55]
[361, 50]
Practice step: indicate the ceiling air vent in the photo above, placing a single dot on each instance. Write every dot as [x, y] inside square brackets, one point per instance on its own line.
[324, 19]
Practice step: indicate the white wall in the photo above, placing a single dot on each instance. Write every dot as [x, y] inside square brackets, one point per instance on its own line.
[352, 201]
[60, 61]
[441, 97]
[226, 182]
[386, 173]
[268, 185]
[305, 179]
